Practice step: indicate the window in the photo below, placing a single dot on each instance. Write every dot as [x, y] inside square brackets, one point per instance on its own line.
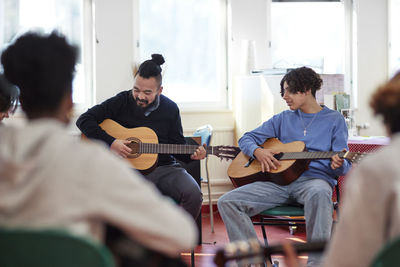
[191, 36]
[394, 37]
[308, 33]
[65, 16]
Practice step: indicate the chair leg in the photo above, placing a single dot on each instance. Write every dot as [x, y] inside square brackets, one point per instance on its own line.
[211, 208]
[209, 198]
[265, 237]
[192, 257]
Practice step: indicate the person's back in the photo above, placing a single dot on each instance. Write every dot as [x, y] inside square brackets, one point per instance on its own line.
[50, 179]
[370, 210]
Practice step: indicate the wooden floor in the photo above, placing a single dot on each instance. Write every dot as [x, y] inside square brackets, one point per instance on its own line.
[204, 254]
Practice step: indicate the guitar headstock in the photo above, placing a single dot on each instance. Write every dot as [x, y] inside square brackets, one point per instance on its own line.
[252, 252]
[225, 152]
[245, 252]
[354, 157]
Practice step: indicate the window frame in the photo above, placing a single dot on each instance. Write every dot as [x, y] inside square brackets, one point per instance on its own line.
[350, 55]
[88, 57]
[222, 51]
[87, 51]
[391, 31]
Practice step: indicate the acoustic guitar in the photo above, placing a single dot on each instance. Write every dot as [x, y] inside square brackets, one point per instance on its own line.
[145, 146]
[294, 160]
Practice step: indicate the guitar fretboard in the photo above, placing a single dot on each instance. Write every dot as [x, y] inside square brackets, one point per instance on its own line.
[149, 148]
[310, 155]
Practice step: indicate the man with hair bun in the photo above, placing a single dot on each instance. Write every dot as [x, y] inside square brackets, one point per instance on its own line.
[145, 106]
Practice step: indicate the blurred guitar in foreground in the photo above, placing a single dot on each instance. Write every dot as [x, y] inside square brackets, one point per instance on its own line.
[250, 252]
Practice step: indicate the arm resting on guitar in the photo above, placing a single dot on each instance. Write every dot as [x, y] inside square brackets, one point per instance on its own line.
[250, 141]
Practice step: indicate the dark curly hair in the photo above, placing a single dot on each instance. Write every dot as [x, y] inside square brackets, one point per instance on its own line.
[42, 66]
[301, 80]
[152, 68]
[386, 102]
[8, 95]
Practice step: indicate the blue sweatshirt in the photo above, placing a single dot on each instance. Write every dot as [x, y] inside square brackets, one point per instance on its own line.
[326, 131]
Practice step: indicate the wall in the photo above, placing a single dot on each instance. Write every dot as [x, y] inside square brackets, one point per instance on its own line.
[114, 29]
[372, 60]
[114, 47]
[249, 22]
[115, 51]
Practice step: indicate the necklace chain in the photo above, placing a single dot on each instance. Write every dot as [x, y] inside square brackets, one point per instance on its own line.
[302, 122]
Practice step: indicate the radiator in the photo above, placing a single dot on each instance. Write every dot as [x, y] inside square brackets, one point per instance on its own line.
[219, 181]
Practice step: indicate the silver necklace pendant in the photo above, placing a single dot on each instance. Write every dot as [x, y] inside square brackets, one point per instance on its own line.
[302, 122]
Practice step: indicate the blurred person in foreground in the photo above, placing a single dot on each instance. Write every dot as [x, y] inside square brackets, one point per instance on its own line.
[49, 179]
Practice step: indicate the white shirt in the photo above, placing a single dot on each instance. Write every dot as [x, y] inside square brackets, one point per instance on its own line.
[370, 212]
[49, 179]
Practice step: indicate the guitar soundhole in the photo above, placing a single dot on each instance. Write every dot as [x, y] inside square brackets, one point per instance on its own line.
[134, 145]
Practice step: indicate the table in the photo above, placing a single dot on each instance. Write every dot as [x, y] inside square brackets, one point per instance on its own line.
[366, 144]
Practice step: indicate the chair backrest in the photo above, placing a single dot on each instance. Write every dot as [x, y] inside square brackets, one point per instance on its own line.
[389, 255]
[205, 132]
[50, 248]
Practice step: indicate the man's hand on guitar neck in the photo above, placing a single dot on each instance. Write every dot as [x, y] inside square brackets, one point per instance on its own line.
[200, 153]
[336, 162]
[266, 157]
[120, 147]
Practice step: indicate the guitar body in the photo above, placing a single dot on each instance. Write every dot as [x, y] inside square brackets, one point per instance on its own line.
[241, 174]
[142, 162]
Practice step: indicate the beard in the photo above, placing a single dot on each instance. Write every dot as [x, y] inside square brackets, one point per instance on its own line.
[139, 105]
[140, 102]
[149, 107]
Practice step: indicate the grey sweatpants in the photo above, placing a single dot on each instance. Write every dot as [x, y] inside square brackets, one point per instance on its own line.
[237, 206]
[175, 182]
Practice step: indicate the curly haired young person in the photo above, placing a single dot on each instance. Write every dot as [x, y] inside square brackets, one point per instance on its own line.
[321, 129]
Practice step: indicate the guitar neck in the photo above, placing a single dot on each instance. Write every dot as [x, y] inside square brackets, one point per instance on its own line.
[309, 155]
[253, 254]
[148, 148]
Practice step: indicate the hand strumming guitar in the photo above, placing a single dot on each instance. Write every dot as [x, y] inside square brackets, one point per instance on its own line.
[267, 159]
[120, 147]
